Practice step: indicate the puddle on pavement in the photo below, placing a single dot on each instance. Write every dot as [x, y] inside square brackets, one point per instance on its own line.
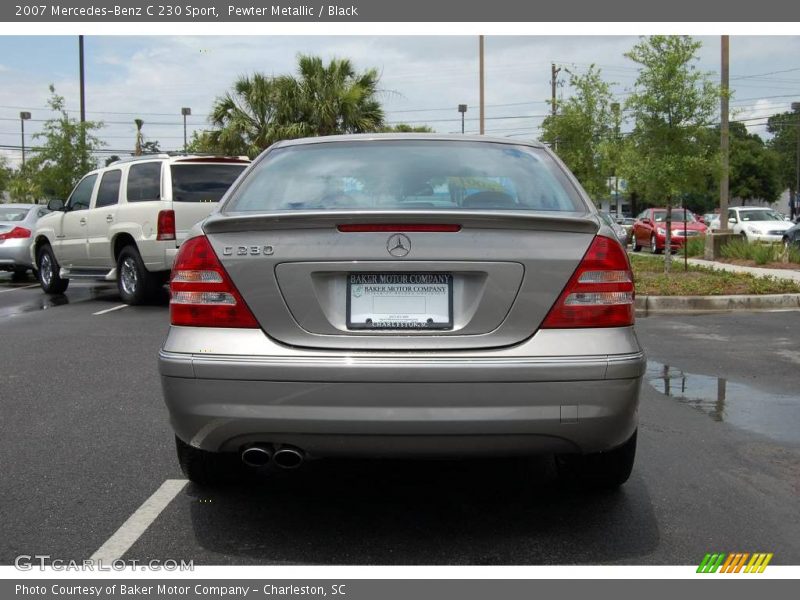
[773, 415]
[43, 301]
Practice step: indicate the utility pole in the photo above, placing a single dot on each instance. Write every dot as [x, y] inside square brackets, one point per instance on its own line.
[83, 95]
[482, 113]
[724, 181]
[83, 103]
[553, 84]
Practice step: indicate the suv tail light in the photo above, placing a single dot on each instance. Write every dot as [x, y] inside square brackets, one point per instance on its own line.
[165, 229]
[202, 293]
[16, 234]
[599, 293]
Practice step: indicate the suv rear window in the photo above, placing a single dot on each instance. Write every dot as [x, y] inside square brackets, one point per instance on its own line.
[406, 175]
[203, 182]
[144, 182]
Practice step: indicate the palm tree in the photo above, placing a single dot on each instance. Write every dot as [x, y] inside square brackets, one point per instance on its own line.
[320, 100]
[137, 149]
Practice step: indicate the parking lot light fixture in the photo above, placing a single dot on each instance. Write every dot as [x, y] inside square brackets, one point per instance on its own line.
[23, 116]
[185, 111]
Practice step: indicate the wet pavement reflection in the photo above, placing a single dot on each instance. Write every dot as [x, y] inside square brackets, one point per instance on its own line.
[774, 415]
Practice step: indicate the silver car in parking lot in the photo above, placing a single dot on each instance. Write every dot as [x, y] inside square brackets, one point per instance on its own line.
[17, 222]
[403, 296]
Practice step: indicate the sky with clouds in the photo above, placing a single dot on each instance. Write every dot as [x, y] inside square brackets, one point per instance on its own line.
[423, 78]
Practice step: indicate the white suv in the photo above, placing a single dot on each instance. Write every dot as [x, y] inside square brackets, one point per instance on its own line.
[127, 220]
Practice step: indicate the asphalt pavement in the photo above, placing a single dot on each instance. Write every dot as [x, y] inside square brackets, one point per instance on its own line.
[85, 441]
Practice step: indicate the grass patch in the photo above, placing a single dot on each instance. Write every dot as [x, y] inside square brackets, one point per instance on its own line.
[695, 246]
[701, 281]
[760, 254]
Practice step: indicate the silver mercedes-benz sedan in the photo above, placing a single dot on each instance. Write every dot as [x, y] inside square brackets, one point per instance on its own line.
[403, 296]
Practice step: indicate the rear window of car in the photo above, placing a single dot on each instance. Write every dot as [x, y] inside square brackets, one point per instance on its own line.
[203, 182]
[13, 214]
[406, 175]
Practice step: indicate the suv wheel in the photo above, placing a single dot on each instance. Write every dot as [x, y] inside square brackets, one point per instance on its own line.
[49, 278]
[135, 283]
[602, 470]
[205, 468]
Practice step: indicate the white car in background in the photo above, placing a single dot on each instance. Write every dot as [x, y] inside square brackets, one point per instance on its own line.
[756, 223]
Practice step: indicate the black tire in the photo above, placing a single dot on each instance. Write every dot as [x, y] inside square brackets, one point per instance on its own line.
[600, 471]
[654, 245]
[208, 469]
[48, 269]
[135, 283]
[636, 246]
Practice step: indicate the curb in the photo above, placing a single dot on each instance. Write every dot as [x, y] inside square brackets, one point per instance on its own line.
[646, 305]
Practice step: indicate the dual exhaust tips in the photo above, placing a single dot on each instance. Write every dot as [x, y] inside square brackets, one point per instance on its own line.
[285, 457]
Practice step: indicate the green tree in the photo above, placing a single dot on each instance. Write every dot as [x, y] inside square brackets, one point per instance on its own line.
[23, 186]
[5, 174]
[320, 100]
[755, 168]
[580, 130]
[406, 128]
[65, 151]
[672, 105]
[785, 127]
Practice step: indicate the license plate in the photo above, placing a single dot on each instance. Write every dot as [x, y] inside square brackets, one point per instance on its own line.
[400, 301]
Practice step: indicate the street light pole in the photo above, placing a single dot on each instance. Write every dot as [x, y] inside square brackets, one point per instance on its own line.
[462, 108]
[796, 109]
[23, 116]
[185, 111]
[480, 68]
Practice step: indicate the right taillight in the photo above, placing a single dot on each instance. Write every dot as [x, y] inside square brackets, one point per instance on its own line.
[202, 293]
[600, 292]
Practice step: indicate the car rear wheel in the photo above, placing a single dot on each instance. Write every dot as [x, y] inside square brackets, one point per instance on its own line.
[208, 469]
[601, 470]
[636, 245]
[49, 278]
[135, 283]
[654, 245]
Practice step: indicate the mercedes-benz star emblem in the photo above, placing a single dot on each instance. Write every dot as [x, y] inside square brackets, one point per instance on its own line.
[398, 245]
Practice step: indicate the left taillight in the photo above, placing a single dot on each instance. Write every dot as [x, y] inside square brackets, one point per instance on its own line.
[165, 228]
[202, 293]
[18, 233]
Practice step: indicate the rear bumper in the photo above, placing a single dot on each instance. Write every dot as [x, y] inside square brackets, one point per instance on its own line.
[402, 404]
[15, 253]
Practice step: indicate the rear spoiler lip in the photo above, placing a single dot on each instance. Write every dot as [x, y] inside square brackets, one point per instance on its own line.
[573, 222]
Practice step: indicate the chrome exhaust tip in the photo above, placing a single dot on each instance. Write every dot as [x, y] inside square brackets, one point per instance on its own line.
[288, 458]
[256, 456]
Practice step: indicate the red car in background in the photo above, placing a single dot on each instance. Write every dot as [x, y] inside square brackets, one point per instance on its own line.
[650, 229]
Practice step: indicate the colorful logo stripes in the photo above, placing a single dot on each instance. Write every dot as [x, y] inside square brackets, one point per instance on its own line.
[735, 562]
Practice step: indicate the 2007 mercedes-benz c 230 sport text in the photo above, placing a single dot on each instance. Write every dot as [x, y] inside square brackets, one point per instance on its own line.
[403, 296]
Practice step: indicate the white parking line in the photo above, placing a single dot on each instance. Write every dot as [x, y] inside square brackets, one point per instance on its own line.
[24, 287]
[132, 529]
[108, 310]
